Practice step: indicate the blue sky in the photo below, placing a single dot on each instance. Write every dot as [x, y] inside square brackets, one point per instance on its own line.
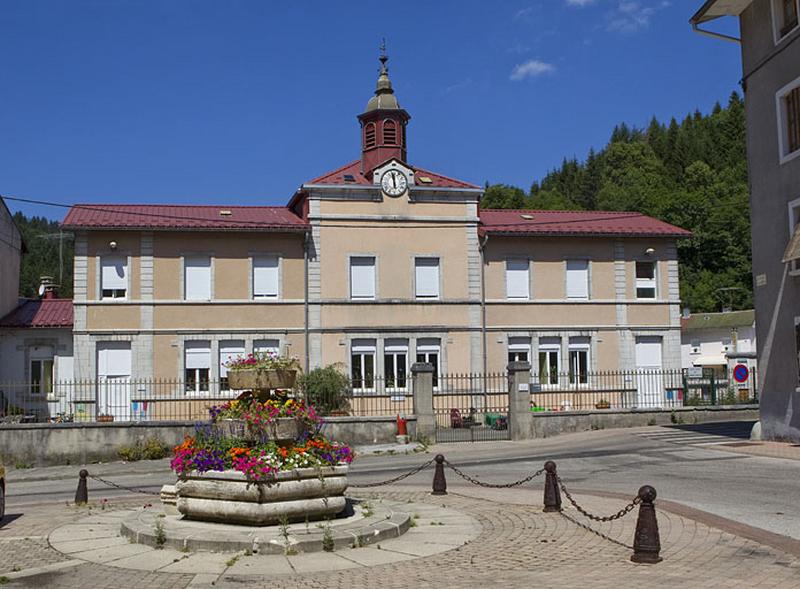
[240, 101]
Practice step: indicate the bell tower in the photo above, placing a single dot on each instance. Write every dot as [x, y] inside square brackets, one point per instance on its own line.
[383, 123]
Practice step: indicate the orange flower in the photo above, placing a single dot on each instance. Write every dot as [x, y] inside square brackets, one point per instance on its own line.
[236, 452]
[187, 443]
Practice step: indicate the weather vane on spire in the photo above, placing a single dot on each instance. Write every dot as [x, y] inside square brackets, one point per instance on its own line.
[383, 57]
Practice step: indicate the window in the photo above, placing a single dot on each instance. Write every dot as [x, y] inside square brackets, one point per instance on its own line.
[578, 279]
[362, 278]
[362, 364]
[114, 277]
[645, 280]
[549, 359]
[695, 346]
[792, 253]
[426, 274]
[228, 351]
[395, 363]
[517, 279]
[789, 109]
[42, 376]
[797, 345]
[579, 360]
[519, 349]
[389, 133]
[266, 277]
[198, 365]
[369, 135]
[267, 345]
[429, 351]
[785, 16]
[197, 276]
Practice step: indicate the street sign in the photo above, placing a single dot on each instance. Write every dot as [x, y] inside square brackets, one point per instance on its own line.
[741, 373]
[694, 372]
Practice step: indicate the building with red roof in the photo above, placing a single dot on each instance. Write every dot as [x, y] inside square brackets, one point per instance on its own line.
[377, 265]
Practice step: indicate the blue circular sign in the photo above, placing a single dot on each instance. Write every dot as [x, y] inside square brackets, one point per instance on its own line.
[741, 373]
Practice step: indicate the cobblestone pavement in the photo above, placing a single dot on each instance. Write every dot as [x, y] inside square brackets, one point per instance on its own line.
[518, 546]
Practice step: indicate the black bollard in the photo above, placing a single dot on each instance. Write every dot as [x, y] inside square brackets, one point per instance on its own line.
[552, 494]
[439, 484]
[82, 493]
[646, 541]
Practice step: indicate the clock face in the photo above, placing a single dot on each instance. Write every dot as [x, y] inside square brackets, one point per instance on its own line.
[394, 183]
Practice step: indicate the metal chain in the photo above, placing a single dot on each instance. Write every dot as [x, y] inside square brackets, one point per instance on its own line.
[395, 479]
[475, 481]
[122, 488]
[595, 532]
[608, 518]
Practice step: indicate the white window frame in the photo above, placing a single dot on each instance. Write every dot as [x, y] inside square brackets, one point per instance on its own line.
[229, 355]
[366, 296]
[201, 387]
[38, 376]
[527, 273]
[519, 345]
[588, 272]
[797, 352]
[259, 345]
[548, 345]
[360, 350]
[115, 296]
[646, 282]
[783, 129]
[254, 258]
[197, 256]
[393, 350]
[776, 7]
[694, 349]
[577, 346]
[438, 266]
[424, 348]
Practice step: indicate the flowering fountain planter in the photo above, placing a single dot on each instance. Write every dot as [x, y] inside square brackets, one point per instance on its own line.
[282, 430]
[293, 495]
[261, 379]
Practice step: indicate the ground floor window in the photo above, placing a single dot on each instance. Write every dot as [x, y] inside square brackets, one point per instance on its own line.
[395, 363]
[519, 349]
[579, 360]
[549, 360]
[362, 364]
[228, 351]
[429, 352]
[197, 366]
[42, 376]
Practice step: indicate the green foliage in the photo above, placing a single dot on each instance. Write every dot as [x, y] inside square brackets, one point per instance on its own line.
[41, 237]
[327, 389]
[691, 173]
[151, 449]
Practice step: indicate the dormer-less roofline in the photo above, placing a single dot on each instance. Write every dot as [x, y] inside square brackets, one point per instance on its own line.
[714, 9]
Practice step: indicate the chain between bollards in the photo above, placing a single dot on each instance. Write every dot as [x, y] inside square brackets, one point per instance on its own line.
[82, 492]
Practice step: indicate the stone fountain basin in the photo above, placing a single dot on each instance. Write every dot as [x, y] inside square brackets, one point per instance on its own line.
[295, 495]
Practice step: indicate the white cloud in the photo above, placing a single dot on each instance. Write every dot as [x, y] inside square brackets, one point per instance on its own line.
[579, 2]
[630, 16]
[531, 69]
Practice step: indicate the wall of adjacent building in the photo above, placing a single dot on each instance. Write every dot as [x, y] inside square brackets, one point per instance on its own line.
[10, 259]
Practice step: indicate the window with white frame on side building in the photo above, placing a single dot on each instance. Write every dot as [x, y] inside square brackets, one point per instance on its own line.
[362, 277]
[197, 278]
[114, 277]
[645, 280]
[578, 280]
[788, 105]
[395, 363]
[362, 364]
[549, 360]
[228, 350]
[579, 360]
[197, 366]
[42, 376]
[518, 279]
[785, 13]
[429, 351]
[519, 349]
[426, 278]
[266, 276]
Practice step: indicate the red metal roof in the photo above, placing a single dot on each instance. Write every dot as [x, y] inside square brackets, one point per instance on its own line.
[623, 224]
[97, 216]
[40, 313]
[354, 169]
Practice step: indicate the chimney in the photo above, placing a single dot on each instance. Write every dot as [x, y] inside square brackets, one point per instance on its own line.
[686, 312]
[47, 288]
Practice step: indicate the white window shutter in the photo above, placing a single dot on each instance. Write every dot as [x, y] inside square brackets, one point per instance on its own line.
[265, 276]
[114, 272]
[517, 279]
[362, 278]
[229, 351]
[577, 279]
[198, 354]
[427, 277]
[198, 279]
[267, 345]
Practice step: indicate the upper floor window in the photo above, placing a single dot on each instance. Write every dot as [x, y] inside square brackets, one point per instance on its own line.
[369, 135]
[518, 279]
[645, 280]
[197, 365]
[789, 120]
[786, 12]
[362, 277]
[265, 277]
[426, 278]
[197, 278]
[389, 133]
[114, 277]
[578, 279]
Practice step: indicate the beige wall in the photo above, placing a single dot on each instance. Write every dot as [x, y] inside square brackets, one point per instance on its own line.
[10, 259]
[128, 243]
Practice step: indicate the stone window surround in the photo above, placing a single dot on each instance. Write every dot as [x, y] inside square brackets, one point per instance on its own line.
[432, 255]
[250, 278]
[348, 272]
[191, 254]
[98, 274]
[656, 277]
[564, 336]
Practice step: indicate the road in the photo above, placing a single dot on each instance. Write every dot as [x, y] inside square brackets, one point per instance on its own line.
[687, 464]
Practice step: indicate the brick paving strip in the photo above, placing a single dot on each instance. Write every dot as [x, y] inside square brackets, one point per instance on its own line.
[512, 543]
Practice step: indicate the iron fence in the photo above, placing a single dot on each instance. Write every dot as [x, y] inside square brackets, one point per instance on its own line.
[471, 407]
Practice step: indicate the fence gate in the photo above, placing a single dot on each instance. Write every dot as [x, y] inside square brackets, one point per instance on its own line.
[471, 407]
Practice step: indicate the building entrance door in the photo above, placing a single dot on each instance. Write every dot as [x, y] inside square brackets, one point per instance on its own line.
[649, 374]
[113, 380]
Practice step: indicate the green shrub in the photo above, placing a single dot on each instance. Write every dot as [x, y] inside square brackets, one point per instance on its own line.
[327, 389]
[151, 449]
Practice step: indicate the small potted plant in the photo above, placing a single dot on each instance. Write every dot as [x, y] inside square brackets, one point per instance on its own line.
[602, 404]
[262, 371]
[105, 418]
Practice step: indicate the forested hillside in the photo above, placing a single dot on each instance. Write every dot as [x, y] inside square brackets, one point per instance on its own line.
[691, 173]
[42, 238]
